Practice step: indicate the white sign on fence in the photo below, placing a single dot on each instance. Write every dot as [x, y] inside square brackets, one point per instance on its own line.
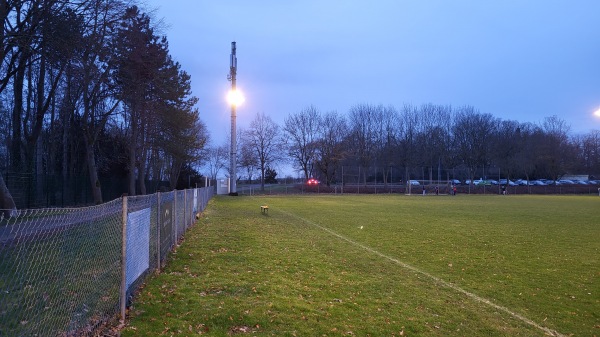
[195, 204]
[138, 245]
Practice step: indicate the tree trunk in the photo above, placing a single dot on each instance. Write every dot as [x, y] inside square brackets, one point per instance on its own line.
[132, 150]
[174, 176]
[66, 122]
[90, 157]
[385, 176]
[142, 175]
[16, 150]
[262, 177]
[132, 167]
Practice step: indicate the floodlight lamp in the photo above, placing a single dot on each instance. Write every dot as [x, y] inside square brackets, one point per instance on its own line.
[235, 97]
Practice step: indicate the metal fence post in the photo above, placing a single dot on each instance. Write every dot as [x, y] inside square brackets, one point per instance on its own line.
[158, 226]
[175, 207]
[124, 259]
[185, 211]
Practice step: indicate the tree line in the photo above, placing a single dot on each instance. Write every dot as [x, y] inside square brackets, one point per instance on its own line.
[87, 87]
[319, 144]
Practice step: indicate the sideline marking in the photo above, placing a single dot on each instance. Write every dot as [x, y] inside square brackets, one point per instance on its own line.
[435, 278]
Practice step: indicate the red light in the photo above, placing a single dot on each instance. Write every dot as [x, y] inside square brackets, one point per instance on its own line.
[312, 181]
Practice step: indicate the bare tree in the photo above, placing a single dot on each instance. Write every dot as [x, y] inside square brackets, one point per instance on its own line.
[247, 159]
[90, 75]
[265, 140]
[555, 151]
[363, 132]
[51, 37]
[386, 140]
[588, 146]
[408, 131]
[302, 129]
[70, 66]
[528, 140]
[507, 146]
[433, 136]
[472, 136]
[216, 160]
[331, 147]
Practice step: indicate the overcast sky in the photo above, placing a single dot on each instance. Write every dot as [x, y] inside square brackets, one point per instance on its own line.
[515, 59]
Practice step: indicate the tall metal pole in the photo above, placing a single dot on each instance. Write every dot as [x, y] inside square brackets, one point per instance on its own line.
[232, 168]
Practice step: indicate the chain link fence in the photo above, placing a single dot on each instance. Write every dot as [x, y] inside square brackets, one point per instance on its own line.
[70, 271]
[419, 180]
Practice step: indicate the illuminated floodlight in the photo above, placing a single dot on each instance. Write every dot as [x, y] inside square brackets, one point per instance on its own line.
[235, 97]
[597, 113]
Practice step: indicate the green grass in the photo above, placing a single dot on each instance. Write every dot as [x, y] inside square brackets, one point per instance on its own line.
[419, 266]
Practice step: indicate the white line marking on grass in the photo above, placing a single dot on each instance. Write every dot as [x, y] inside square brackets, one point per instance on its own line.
[435, 278]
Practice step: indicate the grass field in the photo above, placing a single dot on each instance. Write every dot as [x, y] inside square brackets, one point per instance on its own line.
[381, 265]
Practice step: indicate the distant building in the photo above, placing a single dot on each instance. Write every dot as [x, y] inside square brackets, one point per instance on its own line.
[222, 186]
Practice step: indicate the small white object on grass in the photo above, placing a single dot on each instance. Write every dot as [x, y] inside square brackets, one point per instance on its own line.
[361, 227]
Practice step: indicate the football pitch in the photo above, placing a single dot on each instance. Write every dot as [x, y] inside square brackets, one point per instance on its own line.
[381, 265]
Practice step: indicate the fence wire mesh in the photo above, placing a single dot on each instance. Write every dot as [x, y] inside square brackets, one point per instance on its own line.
[413, 180]
[62, 271]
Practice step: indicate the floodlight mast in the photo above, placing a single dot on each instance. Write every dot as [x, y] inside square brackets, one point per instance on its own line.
[232, 159]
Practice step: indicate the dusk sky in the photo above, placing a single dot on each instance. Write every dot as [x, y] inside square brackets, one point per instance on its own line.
[519, 60]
